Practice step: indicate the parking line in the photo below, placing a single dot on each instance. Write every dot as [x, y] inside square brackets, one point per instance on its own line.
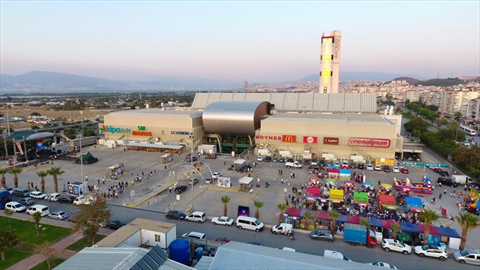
[420, 170]
[249, 199]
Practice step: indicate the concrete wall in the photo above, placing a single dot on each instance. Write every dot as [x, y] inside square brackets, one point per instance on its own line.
[133, 240]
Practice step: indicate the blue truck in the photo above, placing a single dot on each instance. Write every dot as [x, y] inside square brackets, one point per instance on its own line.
[359, 234]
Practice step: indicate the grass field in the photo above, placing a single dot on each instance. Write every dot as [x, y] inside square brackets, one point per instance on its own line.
[12, 257]
[27, 233]
[84, 242]
[53, 263]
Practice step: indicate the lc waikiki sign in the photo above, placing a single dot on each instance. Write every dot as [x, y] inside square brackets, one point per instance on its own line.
[369, 142]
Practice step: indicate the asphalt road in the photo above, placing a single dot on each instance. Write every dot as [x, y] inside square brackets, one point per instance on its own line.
[302, 243]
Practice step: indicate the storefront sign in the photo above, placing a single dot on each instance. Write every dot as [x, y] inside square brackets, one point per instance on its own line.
[289, 138]
[142, 133]
[141, 128]
[369, 142]
[330, 140]
[266, 137]
[113, 130]
[179, 132]
[309, 139]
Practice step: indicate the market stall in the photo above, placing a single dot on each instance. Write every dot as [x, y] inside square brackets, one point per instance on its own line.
[116, 169]
[331, 183]
[238, 164]
[360, 198]
[409, 227]
[353, 219]
[367, 185]
[314, 180]
[336, 195]
[387, 201]
[245, 183]
[333, 173]
[375, 222]
[293, 212]
[413, 204]
[345, 174]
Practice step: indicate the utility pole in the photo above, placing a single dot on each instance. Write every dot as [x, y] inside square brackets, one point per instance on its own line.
[191, 178]
[81, 154]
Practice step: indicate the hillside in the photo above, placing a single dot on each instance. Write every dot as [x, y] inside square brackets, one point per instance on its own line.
[432, 82]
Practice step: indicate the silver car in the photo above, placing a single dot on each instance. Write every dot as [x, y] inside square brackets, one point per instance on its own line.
[470, 256]
[60, 215]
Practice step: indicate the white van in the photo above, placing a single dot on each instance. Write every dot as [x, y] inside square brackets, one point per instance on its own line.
[197, 216]
[43, 209]
[335, 255]
[249, 223]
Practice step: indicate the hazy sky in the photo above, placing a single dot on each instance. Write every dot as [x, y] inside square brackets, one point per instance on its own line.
[257, 41]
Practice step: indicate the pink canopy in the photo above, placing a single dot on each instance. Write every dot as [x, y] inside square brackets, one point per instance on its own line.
[353, 219]
[323, 215]
[433, 229]
[313, 178]
[313, 191]
[387, 224]
[293, 212]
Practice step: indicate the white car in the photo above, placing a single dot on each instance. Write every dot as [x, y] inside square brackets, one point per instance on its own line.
[223, 220]
[396, 169]
[383, 264]
[216, 175]
[369, 167]
[395, 245]
[378, 167]
[260, 158]
[15, 207]
[431, 251]
[53, 197]
[60, 215]
[38, 195]
[196, 216]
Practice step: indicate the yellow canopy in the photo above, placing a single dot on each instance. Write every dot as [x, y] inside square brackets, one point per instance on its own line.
[336, 195]
[386, 186]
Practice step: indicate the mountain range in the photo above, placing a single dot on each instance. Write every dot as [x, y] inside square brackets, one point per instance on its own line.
[49, 82]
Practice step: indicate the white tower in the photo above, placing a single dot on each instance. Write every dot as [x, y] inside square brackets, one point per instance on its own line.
[330, 63]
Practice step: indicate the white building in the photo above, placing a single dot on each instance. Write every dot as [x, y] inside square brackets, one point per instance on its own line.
[330, 63]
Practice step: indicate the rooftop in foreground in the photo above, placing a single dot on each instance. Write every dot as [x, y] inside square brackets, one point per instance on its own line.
[330, 118]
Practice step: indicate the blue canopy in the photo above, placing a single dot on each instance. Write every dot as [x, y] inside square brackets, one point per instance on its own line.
[448, 232]
[375, 222]
[409, 227]
[342, 218]
[413, 201]
[367, 184]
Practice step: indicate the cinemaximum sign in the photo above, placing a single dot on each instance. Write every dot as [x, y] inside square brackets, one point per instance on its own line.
[369, 142]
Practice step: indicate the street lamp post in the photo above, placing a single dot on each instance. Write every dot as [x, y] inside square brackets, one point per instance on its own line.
[191, 179]
[81, 154]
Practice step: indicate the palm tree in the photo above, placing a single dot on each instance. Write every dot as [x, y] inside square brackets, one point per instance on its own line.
[428, 216]
[225, 201]
[307, 216]
[365, 222]
[37, 216]
[42, 175]
[258, 205]
[15, 171]
[395, 228]
[468, 222]
[282, 207]
[8, 213]
[3, 171]
[55, 171]
[334, 215]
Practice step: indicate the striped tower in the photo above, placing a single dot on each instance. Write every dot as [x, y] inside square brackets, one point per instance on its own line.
[330, 63]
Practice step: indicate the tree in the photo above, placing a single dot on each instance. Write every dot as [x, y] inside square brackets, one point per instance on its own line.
[428, 216]
[15, 171]
[282, 207]
[365, 222]
[90, 216]
[396, 229]
[458, 116]
[3, 171]
[334, 215]
[7, 240]
[441, 121]
[468, 222]
[8, 213]
[225, 201]
[42, 175]
[307, 216]
[45, 250]
[258, 205]
[37, 216]
[416, 126]
[55, 172]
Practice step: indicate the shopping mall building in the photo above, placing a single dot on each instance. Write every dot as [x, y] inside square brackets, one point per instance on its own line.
[301, 125]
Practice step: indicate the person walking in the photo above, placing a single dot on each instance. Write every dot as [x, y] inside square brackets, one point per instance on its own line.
[170, 189]
[292, 235]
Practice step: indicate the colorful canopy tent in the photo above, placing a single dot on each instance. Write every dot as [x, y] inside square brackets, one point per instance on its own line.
[387, 201]
[349, 183]
[386, 186]
[323, 215]
[375, 222]
[367, 184]
[313, 192]
[313, 179]
[342, 219]
[333, 173]
[448, 232]
[353, 219]
[433, 229]
[336, 195]
[293, 212]
[387, 224]
[360, 197]
[409, 227]
[413, 203]
[345, 173]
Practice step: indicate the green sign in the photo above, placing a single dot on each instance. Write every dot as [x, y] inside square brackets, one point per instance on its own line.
[413, 163]
[141, 128]
[440, 165]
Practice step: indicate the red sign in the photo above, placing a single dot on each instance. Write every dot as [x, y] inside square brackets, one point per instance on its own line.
[142, 133]
[369, 142]
[309, 139]
[265, 137]
[289, 138]
[330, 140]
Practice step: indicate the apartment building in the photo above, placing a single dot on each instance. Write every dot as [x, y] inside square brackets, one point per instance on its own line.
[412, 95]
[473, 110]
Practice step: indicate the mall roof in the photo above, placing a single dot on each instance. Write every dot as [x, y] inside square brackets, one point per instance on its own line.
[330, 118]
[297, 102]
[247, 256]
[158, 113]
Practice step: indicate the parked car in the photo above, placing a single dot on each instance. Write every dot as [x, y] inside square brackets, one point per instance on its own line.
[443, 173]
[314, 162]
[404, 170]
[194, 181]
[26, 201]
[180, 189]
[369, 167]
[67, 199]
[431, 251]
[216, 174]
[387, 169]
[260, 158]
[361, 166]
[282, 228]
[322, 235]
[220, 240]
[38, 195]
[306, 162]
[223, 220]
[10, 190]
[353, 165]
[281, 160]
[192, 159]
[395, 245]
[196, 216]
[470, 256]
[42, 209]
[174, 214]
[194, 235]
[15, 207]
[378, 167]
[60, 215]
[383, 264]
[268, 159]
[396, 169]
[274, 159]
[52, 197]
[447, 181]
[115, 224]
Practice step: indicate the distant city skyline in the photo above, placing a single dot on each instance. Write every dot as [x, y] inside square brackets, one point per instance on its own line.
[258, 42]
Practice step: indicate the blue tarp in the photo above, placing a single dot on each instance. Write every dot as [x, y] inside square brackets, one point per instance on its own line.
[448, 232]
[375, 222]
[342, 218]
[414, 201]
[409, 227]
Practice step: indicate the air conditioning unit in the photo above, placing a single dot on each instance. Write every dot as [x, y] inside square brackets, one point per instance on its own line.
[273, 112]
